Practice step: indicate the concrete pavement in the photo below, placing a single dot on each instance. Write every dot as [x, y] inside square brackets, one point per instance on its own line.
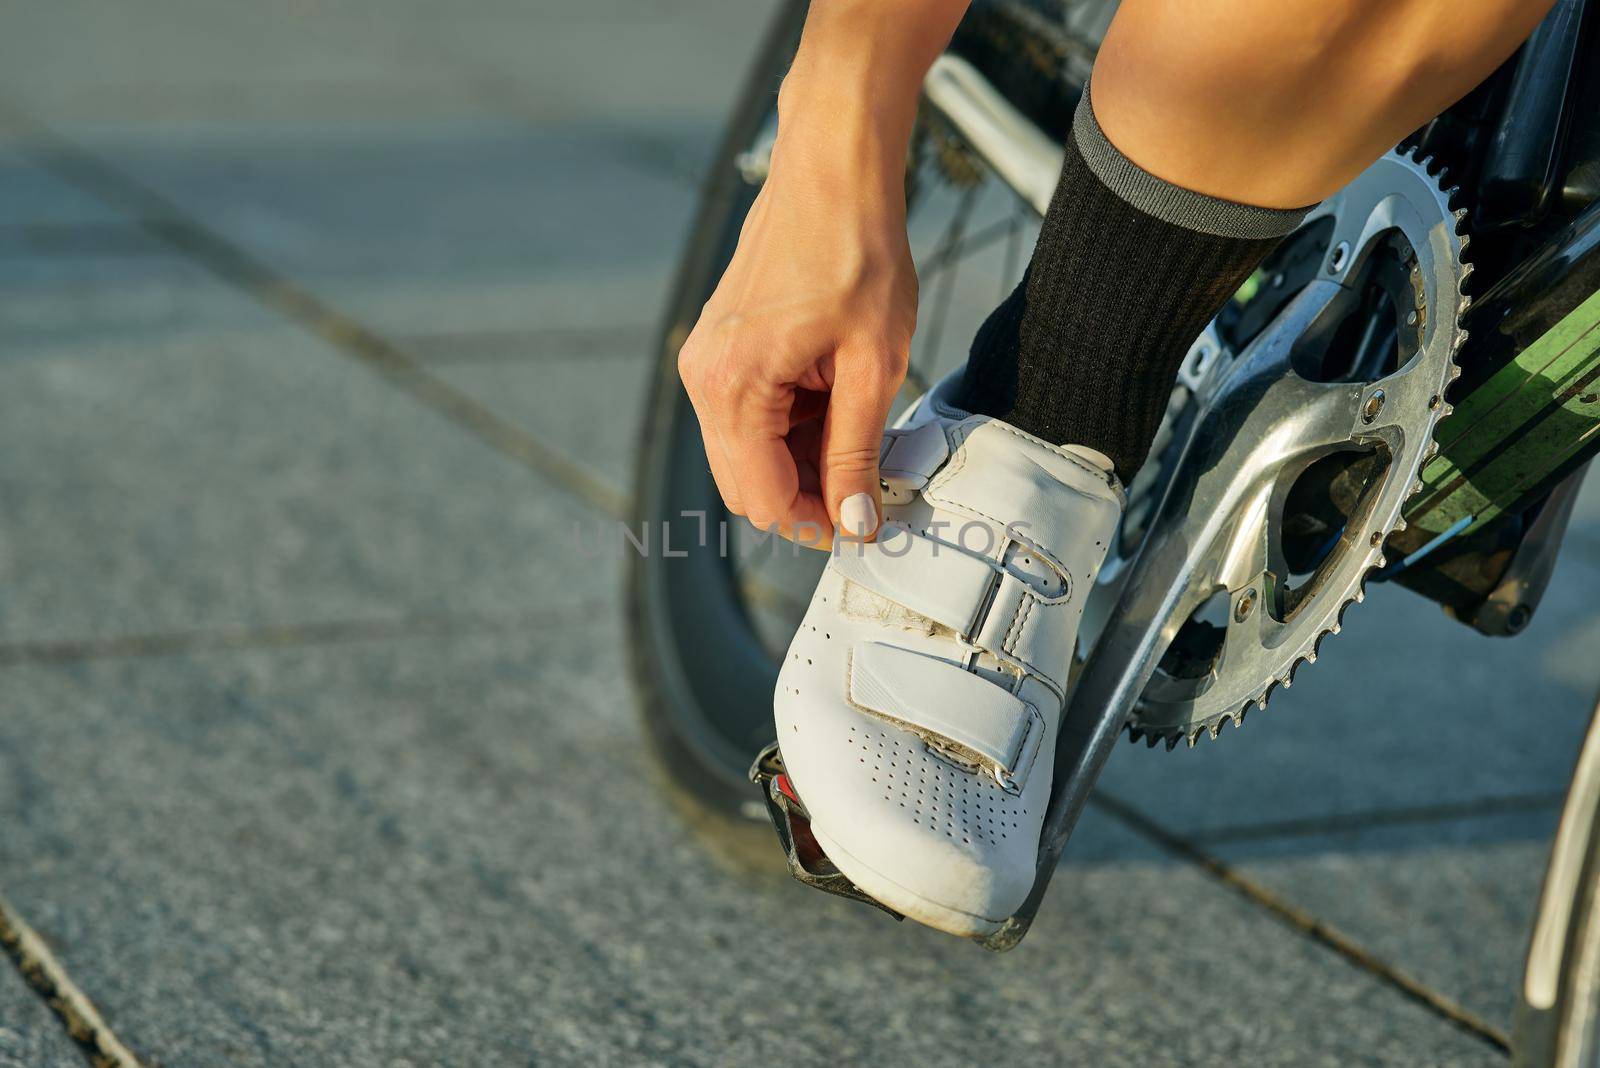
[307, 755]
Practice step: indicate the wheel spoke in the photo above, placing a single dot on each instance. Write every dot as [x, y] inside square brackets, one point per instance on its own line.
[946, 276]
[990, 235]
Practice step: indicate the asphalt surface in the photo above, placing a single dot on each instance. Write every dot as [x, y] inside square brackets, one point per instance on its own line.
[320, 327]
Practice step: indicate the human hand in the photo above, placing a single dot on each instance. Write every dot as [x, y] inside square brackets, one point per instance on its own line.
[799, 353]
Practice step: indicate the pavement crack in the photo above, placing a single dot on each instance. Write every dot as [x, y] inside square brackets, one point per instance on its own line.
[1298, 919]
[192, 239]
[46, 976]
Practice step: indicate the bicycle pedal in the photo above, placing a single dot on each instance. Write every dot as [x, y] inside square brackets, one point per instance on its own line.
[807, 862]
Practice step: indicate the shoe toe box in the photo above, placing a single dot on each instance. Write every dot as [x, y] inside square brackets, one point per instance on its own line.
[943, 833]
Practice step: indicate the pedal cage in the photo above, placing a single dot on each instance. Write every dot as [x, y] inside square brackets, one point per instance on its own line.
[807, 862]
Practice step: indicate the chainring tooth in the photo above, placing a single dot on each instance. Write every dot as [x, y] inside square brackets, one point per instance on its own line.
[1211, 724]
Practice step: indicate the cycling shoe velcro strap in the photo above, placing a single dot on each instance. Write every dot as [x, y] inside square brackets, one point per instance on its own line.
[929, 577]
[955, 710]
[993, 479]
[909, 458]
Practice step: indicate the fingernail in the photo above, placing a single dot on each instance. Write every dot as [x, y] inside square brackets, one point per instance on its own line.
[858, 516]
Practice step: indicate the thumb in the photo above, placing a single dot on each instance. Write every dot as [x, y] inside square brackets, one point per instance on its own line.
[852, 435]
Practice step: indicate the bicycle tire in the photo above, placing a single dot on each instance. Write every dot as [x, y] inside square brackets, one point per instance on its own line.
[1558, 1010]
[675, 680]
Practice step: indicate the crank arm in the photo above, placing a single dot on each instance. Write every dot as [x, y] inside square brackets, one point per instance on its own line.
[1216, 477]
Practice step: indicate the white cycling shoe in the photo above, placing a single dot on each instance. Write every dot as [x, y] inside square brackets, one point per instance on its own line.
[918, 706]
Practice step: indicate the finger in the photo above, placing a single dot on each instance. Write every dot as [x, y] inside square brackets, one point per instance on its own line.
[805, 445]
[721, 473]
[770, 484]
[852, 434]
[716, 453]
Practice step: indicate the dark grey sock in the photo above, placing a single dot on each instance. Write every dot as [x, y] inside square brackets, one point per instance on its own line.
[1127, 272]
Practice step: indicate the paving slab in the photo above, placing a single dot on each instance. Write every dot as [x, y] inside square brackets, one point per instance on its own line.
[206, 475]
[658, 61]
[558, 193]
[30, 1034]
[1583, 535]
[31, 198]
[1449, 902]
[564, 398]
[109, 290]
[182, 59]
[453, 851]
[442, 227]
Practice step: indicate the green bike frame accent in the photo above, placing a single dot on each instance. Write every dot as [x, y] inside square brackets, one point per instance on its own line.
[1507, 437]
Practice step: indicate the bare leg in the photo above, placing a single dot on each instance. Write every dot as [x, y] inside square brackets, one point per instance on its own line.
[1281, 102]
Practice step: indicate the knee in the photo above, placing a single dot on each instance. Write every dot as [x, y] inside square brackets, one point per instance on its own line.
[1280, 52]
[1259, 49]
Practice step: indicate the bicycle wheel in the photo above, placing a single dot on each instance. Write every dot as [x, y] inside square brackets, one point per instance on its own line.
[713, 604]
[1558, 1012]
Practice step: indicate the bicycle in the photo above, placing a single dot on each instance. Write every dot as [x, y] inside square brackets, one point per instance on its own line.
[1421, 355]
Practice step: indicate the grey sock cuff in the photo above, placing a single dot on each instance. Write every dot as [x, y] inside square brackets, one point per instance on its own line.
[1168, 202]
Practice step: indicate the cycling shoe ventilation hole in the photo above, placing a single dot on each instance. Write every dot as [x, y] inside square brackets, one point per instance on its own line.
[797, 659]
[970, 808]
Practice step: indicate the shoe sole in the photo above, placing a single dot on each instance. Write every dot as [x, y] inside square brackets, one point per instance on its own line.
[906, 902]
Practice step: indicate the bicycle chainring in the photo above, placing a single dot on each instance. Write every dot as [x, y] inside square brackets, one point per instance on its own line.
[1361, 391]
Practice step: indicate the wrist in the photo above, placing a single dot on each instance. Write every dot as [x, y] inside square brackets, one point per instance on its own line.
[835, 132]
[854, 90]
[850, 97]
[852, 161]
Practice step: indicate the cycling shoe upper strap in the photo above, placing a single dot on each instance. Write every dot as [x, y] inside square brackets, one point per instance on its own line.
[909, 458]
[956, 710]
[929, 577]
